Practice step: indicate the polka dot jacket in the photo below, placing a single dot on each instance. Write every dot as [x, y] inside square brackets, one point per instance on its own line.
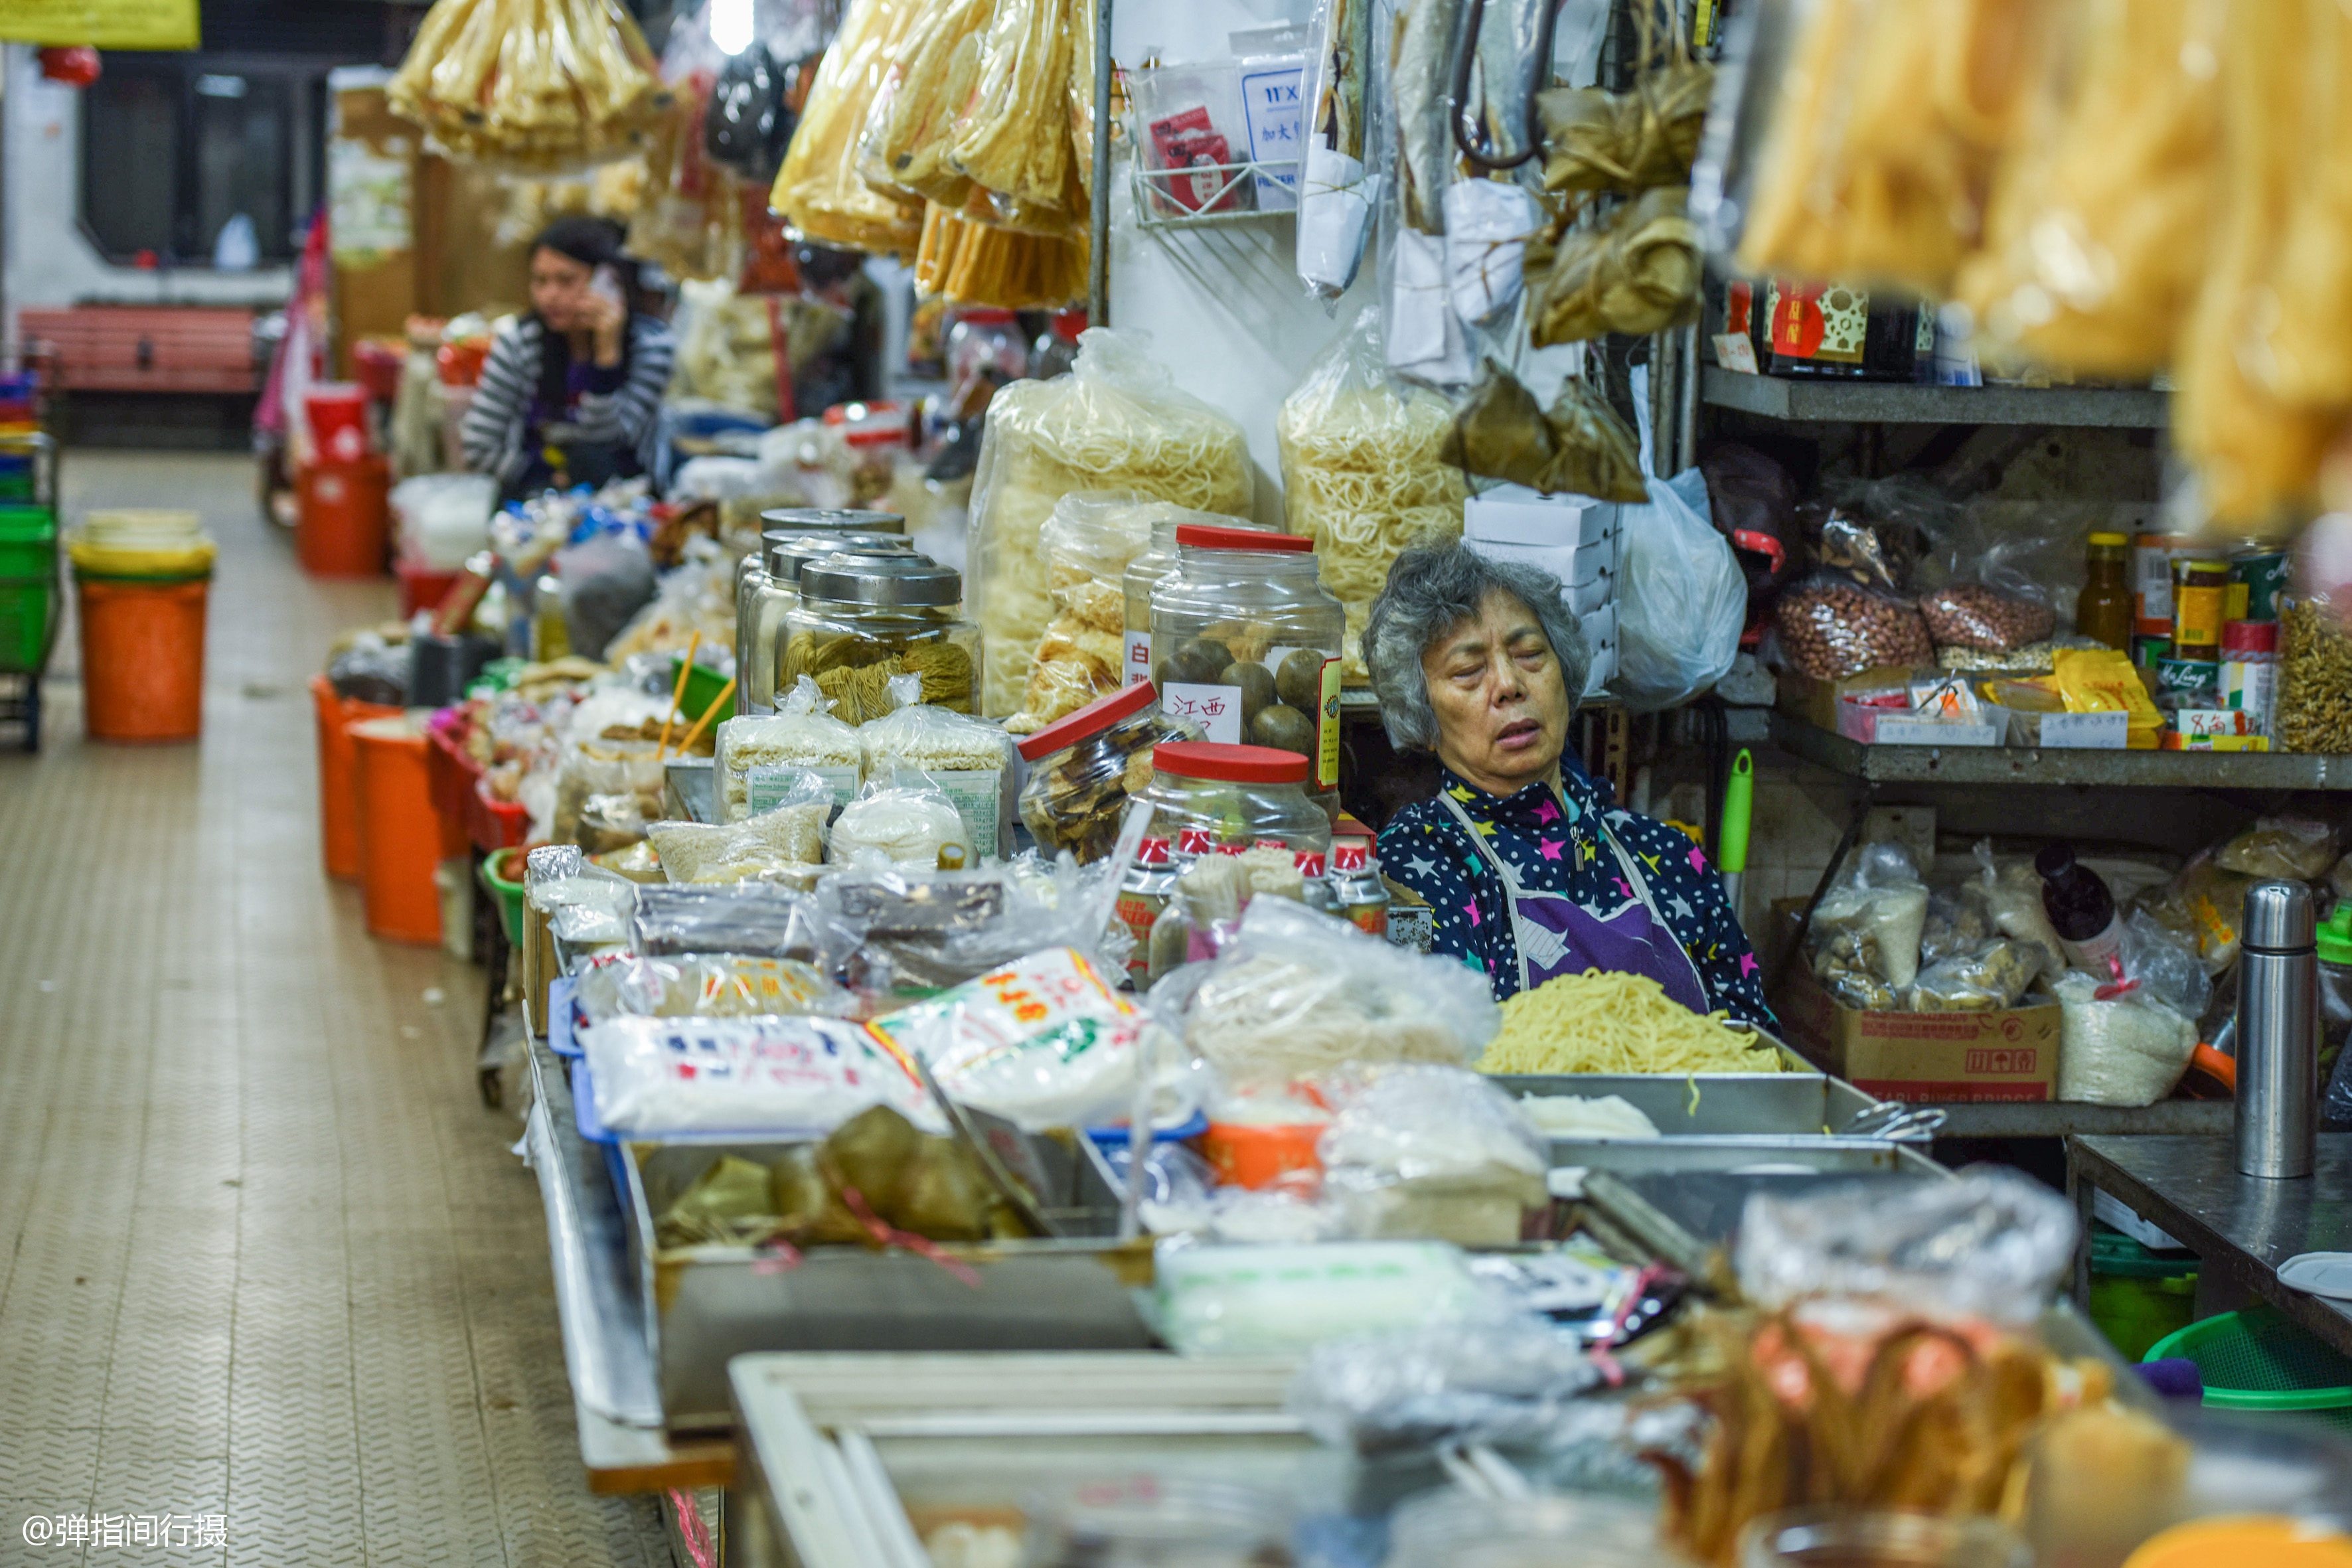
[1554, 844]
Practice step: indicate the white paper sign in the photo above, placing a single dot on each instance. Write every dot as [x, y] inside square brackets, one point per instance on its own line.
[2096, 731]
[1216, 709]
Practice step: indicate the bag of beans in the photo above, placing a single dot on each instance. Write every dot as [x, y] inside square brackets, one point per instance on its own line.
[1831, 627]
[1976, 615]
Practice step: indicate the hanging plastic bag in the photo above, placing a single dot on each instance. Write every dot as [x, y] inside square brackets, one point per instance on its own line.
[1336, 193]
[2119, 1050]
[1117, 422]
[1489, 223]
[1600, 140]
[818, 189]
[1682, 599]
[1637, 274]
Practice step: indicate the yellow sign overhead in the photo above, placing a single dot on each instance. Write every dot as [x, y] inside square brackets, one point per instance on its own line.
[107, 23]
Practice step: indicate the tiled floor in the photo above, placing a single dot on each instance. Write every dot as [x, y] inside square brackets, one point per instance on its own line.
[263, 1253]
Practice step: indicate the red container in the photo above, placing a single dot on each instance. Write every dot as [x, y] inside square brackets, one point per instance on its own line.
[421, 587]
[400, 833]
[143, 657]
[343, 520]
[496, 825]
[452, 776]
[377, 362]
[338, 413]
[339, 808]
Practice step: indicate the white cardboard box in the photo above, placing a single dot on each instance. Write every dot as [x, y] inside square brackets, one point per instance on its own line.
[1514, 514]
[1573, 565]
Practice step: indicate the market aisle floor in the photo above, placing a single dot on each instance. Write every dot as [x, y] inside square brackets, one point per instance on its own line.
[263, 1253]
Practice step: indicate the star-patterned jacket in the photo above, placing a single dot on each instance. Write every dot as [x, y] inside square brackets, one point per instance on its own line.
[1554, 845]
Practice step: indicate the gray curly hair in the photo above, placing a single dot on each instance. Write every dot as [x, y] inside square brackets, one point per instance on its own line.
[1432, 589]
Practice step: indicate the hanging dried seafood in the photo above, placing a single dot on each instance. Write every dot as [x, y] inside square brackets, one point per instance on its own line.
[1639, 273]
[1580, 447]
[538, 85]
[1601, 140]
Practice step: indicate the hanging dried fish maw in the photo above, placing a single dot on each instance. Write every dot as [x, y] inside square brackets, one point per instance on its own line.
[819, 190]
[2102, 218]
[1639, 275]
[1425, 153]
[2309, 342]
[536, 85]
[1014, 136]
[2257, 454]
[1600, 140]
[1580, 447]
[908, 131]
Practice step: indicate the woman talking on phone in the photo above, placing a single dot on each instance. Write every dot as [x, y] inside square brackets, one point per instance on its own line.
[570, 390]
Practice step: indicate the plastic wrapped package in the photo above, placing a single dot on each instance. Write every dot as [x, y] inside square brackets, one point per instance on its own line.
[2294, 848]
[1297, 993]
[1281, 1299]
[903, 149]
[2102, 217]
[2008, 899]
[752, 1076]
[1086, 546]
[965, 759]
[1363, 470]
[2205, 904]
[531, 84]
[1336, 193]
[2315, 679]
[789, 837]
[1951, 929]
[1637, 274]
[762, 758]
[774, 922]
[1431, 1152]
[1595, 139]
[1044, 1041]
[622, 779]
[1990, 1243]
[1115, 422]
[818, 189]
[1682, 598]
[2130, 1050]
[1883, 905]
[1830, 630]
[1579, 447]
[1985, 979]
[1014, 133]
[925, 931]
[690, 222]
[706, 985]
[588, 907]
[1502, 1378]
[2164, 964]
[912, 829]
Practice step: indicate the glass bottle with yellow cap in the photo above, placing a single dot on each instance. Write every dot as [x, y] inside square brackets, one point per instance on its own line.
[2105, 610]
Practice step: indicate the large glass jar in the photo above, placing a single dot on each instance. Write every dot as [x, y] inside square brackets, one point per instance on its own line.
[1153, 567]
[1082, 768]
[862, 619]
[1246, 642]
[774, 590]
[777, 525]
[1236, 796]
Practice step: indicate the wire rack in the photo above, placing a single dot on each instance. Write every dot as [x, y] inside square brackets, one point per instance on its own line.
[1211, 196]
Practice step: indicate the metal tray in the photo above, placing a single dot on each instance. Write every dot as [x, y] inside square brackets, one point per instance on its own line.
[1774, 1103]
[1750, 1155]
[704, 1305]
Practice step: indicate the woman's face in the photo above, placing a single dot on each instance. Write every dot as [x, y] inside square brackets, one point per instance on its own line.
[558, 290]
[1501, 700]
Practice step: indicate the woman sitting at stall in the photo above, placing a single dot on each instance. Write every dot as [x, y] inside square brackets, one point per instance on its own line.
[1532, 872]
[571, 391]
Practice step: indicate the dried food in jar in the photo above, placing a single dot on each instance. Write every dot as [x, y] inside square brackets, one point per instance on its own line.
[1969, 615]
[1087, 767]
[1832, 629]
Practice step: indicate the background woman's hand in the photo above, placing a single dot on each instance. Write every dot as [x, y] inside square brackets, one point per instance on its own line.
[604, 316]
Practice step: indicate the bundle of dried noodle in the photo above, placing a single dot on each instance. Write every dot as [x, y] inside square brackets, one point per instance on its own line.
[1014, 136]
[819, 190]
[540, 85]
[904, 147]
[974, 263]
[1888, 122]
[1639, 275]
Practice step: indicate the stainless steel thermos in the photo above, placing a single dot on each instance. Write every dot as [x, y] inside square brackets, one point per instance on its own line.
[2278, 1033]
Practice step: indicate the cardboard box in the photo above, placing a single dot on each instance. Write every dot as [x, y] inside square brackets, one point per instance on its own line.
[1936, 1057]
[1514, 514]
[1600, 628]
[1575, 567]
[1859, 720]
[1816, 701]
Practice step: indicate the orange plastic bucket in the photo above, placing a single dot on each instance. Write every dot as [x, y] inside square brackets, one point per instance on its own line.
[342, 519]
[339, 803]
[1253, 1156]
[400, 835]
[142, 657]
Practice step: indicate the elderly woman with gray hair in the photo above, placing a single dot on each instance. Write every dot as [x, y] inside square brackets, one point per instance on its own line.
[1533, 872]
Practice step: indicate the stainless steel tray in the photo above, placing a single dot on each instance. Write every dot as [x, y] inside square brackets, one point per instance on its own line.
[704, 1305]
[687, 795]
[1776, 1102]
[1741, 1155]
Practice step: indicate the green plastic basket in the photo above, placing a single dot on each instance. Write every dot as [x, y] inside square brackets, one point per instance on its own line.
[509, 893]
[702, 689]
[2261, 1360]
[2138, 1297]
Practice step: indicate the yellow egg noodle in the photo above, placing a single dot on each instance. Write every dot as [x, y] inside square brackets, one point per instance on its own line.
[1616, 1023]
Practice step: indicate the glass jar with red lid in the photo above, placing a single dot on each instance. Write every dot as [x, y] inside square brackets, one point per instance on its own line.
[1209, 797]
[1082, 768]
[1247, 644]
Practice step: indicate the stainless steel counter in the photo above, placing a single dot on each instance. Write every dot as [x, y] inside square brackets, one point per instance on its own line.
[2241, 1227]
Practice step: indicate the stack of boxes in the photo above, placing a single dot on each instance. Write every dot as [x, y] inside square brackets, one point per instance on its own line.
[1574, 538]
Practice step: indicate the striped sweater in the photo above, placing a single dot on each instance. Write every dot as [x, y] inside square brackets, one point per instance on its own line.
[496, 436]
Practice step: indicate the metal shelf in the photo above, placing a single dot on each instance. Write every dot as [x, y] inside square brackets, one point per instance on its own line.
[1161, 203]
[1899, 403]
[2065, 1118]
[2059, 765]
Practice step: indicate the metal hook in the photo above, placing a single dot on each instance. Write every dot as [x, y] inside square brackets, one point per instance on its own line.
[1465, 49]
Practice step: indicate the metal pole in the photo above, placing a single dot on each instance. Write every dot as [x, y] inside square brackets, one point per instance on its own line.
[1099, 262]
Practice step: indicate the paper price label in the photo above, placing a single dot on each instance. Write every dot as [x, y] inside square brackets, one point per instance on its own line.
[2098, 732]
[1139, 657]
[1216, 709]
[764, 788]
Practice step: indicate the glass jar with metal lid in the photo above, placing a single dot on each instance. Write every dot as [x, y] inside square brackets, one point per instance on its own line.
[1246, 644]
[862, 619]
[1153, 567]
[1234, 797]
[776, 525]
[774, 590]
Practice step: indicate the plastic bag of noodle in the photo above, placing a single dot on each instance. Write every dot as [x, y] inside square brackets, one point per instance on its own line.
[1117, 422]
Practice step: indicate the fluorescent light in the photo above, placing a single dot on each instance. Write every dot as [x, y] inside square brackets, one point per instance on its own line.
[220, 87]
[730, 24]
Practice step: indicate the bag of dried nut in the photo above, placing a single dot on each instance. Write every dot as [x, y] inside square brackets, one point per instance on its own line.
[1969, 614]
[1830, 630]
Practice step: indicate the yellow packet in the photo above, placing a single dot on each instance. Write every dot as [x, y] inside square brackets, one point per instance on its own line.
[2103, 681]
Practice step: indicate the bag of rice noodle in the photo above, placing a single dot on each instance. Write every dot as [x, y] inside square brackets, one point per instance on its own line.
[1115, 422]
[1363, 473]
[1086, 545]
[918, 746]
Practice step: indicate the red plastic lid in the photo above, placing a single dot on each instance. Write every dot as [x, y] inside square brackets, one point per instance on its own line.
[2250, 637]
[984, 315]
[1349, 857]
[1309, 862]
[860, 412]
[1229, 764]
[1230, 849]
[1208, 536]
[1151, 852]
[1194, 841]
[1068, 324]
[1098, 715]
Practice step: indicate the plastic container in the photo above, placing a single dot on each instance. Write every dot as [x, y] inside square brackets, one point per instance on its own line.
[2200, 593]
[339, 820]
[502, 874]
[337, 412]
[28, 586]
[399, 839]
[1235, 795]
[1080, 767]
[1248, 1156]
[986, 341]
[342, 519]
[702, 690]
[1246, 644]
[2138, 1297]
[2259, 1359]
[1146, 572]
[2248, 675]
[773, 590]
[885, 614]
[495, 824]
[1850, 1538]
[451, 775]
[1148, 1521]
[143, 655]
[421, 587]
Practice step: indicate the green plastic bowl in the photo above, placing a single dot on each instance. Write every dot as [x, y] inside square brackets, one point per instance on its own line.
[509, 893]
[702, 689]
[2259, 1359]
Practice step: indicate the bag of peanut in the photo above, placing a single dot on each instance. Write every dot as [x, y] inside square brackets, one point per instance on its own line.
[1831, 628]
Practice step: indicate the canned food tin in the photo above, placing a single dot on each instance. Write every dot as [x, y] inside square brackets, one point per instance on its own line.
[2262, 573]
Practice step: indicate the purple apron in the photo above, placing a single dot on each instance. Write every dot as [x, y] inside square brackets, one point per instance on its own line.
[1558, 936]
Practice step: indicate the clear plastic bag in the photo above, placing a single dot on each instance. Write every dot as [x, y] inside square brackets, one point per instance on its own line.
[1638, 274]
[750, 1075]
[1973, 616]
[763, 758]
[774, 922]
[1496, 1377]
[1883, 906]
[1830, 630]
[1992, 1243]
[1426, 1152]
[2123, 1050]
[818, 189]
[917, 829]
[1578, 446]
[1115, 422]
[2204, 904]
[2294, 848]
[2165, 964]
[1985, 979]
[924, 747]
[1952, 928]
[1336, 192]
[706, 985]
[918, 930]
[623, 778]
[544, 86]
[787, 837]
[1682, 599]
[1086, 546]
[2009, 899]
[1297, 993]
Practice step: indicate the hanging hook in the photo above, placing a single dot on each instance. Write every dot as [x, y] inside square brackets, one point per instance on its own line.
[1465, 49]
